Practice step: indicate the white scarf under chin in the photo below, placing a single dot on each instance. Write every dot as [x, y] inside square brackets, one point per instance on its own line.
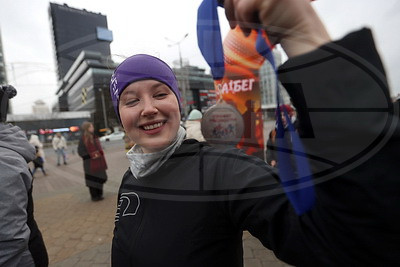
[143, 164]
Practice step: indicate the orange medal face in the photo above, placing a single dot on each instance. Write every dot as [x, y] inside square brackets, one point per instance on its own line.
[222, 123]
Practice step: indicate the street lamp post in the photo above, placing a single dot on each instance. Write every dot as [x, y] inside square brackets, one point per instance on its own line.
[184, 77]
[103, 105]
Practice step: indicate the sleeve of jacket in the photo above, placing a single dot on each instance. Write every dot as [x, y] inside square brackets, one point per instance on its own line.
[341, 95]
[343, 103]
[343, 91]
[270, 153]
[118, 256]
[65, 142]
[257, 203]
[14, 231]
[53, 143]
[98, 145]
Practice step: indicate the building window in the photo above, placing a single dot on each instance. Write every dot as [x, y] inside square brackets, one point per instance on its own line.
[104, 34]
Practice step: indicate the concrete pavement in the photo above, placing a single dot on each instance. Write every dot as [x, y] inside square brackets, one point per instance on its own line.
[77, 231]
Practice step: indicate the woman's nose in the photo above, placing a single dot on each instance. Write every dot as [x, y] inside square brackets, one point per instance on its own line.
[149, 108]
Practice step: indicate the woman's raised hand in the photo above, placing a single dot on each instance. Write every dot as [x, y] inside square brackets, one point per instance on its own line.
[292, 23]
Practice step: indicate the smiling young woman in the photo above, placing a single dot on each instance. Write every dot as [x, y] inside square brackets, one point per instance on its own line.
[146, 100]
[187, 203]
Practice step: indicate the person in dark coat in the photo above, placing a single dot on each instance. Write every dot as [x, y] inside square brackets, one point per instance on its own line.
[271, 151]
[21, 241]
[38, 162]
[94, 163]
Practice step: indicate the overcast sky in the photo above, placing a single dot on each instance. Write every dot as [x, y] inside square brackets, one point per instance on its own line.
[142, 27]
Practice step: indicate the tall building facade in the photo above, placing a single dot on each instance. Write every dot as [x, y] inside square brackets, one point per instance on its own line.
[82, 50]
[75, 30]
[86, 88]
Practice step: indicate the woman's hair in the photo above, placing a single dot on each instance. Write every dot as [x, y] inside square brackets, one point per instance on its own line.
[87, 136]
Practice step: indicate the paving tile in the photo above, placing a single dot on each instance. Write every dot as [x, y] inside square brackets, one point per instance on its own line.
[273, 264]
[252, 263]
[53, 250]
[89, 255]
[63, 254]
[67, 263]
[102, 258]
[264, 254]
[247, 252]
[100, 265]
[71, 243]
[252, 243]
[88, 237]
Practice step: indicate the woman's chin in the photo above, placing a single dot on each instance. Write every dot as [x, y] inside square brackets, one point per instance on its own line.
[155, 146]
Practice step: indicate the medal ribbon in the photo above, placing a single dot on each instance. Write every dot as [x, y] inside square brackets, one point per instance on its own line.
[296, 179]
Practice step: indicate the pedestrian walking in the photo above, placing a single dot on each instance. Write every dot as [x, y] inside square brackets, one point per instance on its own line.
[34, 140]
[94, 163]
[272, 146]
[60, 145]
[38, 162]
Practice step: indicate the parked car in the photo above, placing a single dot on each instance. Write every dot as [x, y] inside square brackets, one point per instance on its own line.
[112, 137]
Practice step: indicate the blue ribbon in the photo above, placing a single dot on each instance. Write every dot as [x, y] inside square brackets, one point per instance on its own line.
[209, 37]
[297, 183]
[299, 188]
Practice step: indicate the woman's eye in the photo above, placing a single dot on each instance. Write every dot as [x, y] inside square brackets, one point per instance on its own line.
[161, 95]
[132, 102]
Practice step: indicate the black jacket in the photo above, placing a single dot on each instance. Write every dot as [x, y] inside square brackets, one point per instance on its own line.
[36, 244]
[192, 211]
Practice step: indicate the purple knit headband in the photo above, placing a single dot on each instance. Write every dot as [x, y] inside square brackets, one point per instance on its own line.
[141, 67]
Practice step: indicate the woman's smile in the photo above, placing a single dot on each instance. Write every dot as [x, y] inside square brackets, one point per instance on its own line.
[153, 128]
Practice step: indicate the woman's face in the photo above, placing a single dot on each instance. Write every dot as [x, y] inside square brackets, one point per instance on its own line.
[150, 114]
[91, 128]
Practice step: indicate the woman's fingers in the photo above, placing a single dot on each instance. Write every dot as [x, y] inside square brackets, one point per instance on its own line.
[243, 13]
[247, 15]
[293, 23]
[230, 13]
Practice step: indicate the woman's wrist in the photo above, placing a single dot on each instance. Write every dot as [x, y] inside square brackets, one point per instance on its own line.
[311, 35]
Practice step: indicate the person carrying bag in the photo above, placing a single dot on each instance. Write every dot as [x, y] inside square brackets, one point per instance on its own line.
[94, 163]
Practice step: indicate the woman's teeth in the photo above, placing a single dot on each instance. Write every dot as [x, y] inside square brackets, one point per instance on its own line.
[153, 126]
